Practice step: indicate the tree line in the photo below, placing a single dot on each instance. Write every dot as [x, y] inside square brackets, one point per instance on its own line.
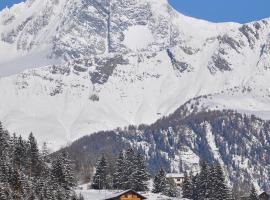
[28, 173]
[164, 186]
[129, 172]
[209, 184]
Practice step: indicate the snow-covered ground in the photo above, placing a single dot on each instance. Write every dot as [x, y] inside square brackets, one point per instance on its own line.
[102, 194]
[90, 194]
[147, 84]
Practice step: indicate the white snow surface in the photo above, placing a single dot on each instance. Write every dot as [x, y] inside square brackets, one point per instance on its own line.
[138, 38]
[48, 52]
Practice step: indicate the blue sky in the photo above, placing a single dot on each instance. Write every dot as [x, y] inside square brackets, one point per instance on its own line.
[212, 10]
[224, 10]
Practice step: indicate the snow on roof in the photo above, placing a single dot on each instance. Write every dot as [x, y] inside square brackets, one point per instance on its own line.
[115, 195]
[175, 175]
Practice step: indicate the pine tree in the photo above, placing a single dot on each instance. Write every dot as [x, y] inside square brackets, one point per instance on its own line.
[170, 189]
[159, 182]
[19, 184]
[69, 177]
[195, 187]
[212, 182]
[187, 188]
[5, 192]
[24, 174]
[62, 175]
[45, 153]
[20, 156]
[34, 162]
[202, 181]
[139, 176]
[220, 189]
[129, 168]
[253, 194]
[118, 175]
[100, 177]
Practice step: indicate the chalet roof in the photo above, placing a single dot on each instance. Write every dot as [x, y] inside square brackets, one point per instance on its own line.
[264, 194]
[116, 195]
[175, 175]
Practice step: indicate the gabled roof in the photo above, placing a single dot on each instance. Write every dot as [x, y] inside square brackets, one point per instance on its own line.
[175, 175]
[116, 195]
[264, 194]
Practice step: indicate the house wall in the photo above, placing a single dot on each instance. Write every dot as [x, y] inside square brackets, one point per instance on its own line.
[129, 196]
[177, 181]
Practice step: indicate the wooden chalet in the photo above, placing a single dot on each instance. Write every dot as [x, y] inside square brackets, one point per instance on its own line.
[126, 195]
[178, 179]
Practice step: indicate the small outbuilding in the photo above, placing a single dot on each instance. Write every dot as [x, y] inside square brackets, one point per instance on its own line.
[177, 178]
[126, 195]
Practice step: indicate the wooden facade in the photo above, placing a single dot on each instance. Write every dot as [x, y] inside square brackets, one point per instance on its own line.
[126, 195]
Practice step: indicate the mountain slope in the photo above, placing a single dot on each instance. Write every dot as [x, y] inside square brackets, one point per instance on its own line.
[95, 65]
[178, 142]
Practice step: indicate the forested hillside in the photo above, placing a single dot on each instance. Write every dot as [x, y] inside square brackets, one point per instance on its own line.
[28, 173]
[177, 143]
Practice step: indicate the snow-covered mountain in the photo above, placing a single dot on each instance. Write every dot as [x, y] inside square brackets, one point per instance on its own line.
[72, 67]
[177, 143]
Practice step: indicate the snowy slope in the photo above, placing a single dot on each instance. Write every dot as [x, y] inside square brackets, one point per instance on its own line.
[76, 67]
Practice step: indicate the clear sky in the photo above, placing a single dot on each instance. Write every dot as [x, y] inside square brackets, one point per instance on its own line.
[224, 10]
[212, 10]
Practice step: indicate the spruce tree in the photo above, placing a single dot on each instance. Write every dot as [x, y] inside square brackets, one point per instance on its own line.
[69, 178]
[34, 162]
[212, 182]
[202, 181]
[62, 175]
[253, 194]
[139, 176]
[129, 168]
[118, 175]
[221, 191]
[100, 177]
[24, 174]
[195, 187]
[159, 182]
[187, 188]
[20, 153]
[170, 189]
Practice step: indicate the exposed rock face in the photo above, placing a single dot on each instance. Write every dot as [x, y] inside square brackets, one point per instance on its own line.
[178, 142]
[83, 66]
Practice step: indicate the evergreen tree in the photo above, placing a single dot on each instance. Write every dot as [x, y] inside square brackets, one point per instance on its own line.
[20, 156]
[170, 189]
[139, 176]
[100, 177]
[219, 187]
[187, 188]
[45, 153]
[19, 184]
[118, 175]
[159, 182]
[129, 168]
[62, 175]
[34, 162]
[25, 175]
[203, 182]
[212, 182]
[253, 194]
[195, 187]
